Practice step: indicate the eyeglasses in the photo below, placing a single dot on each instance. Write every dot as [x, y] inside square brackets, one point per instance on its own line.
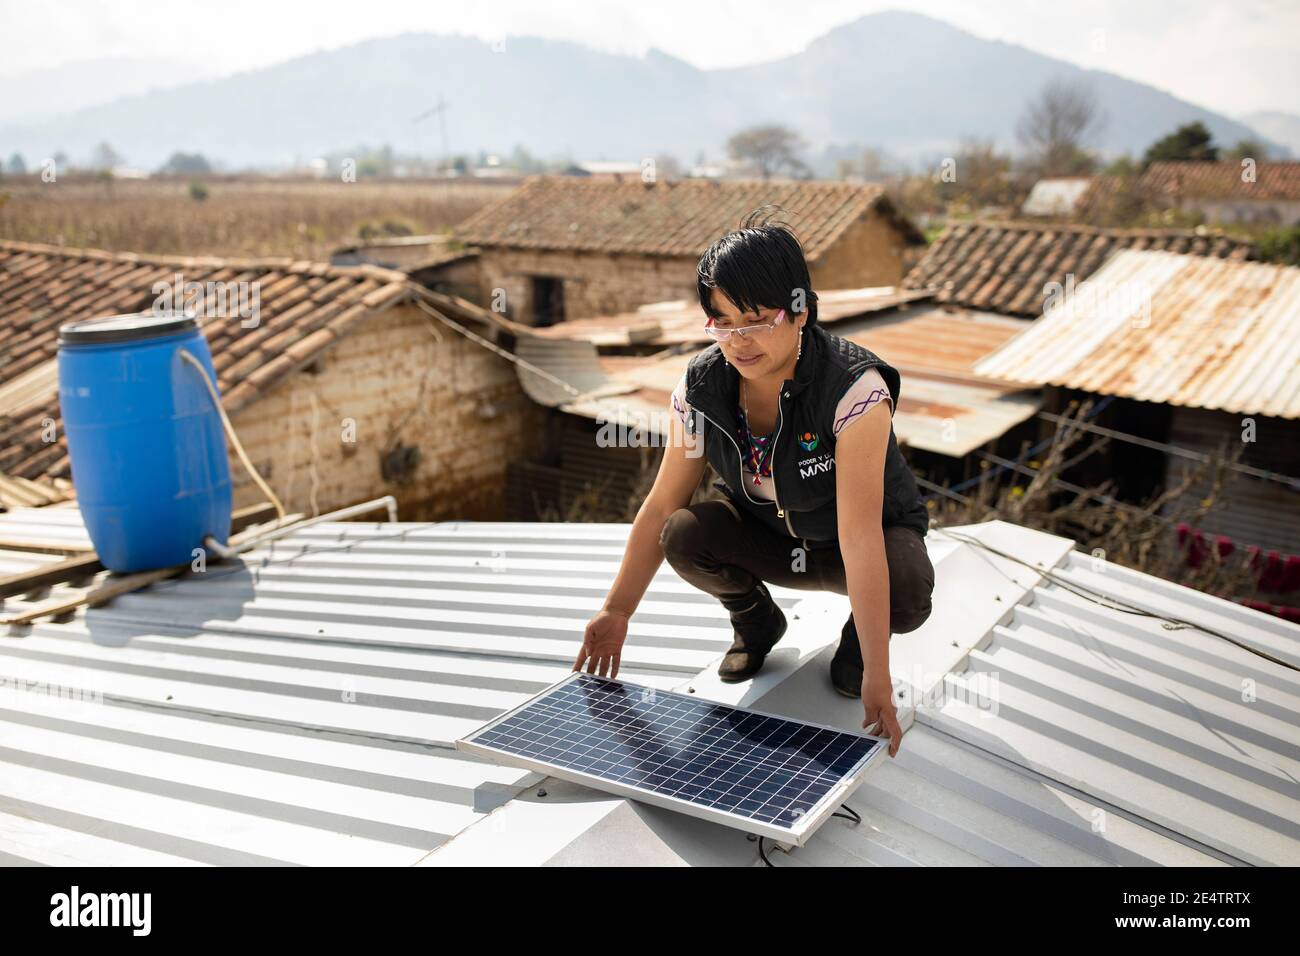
[746, 330]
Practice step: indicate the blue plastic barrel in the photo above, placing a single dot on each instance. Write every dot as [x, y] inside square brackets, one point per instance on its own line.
[148, 455]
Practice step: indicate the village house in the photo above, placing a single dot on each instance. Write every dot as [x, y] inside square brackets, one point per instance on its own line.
[1012, 268]
[343, 387]
[1057, 196]
[608, 380]
[1196, 357]
[562, 248]
[434, 261]
[1200, 346]
[1245, 191]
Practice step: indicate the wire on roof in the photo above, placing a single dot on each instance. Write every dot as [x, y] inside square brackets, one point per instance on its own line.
[1115, 604]
[498, 349]
[845, 812]
[1197, 456]
[978, 479]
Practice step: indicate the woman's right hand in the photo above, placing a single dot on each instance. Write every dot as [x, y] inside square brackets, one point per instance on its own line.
[602, 644]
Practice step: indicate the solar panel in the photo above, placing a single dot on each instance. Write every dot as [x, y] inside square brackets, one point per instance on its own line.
[764, 774]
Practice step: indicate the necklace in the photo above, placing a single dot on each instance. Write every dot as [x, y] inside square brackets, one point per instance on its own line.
[760, 448]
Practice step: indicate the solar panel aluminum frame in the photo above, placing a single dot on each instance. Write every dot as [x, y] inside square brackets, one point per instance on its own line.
[796, 835]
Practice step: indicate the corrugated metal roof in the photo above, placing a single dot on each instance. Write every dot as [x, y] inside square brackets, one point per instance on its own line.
[944, 407]
[681, 321]
[302, 708]
[59, 526]
[936, 341]
[1056, 197]
[1098, 737]
[1178, 727]
[1220, 334]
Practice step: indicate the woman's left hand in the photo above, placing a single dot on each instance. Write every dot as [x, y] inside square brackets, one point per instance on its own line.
[881, 716]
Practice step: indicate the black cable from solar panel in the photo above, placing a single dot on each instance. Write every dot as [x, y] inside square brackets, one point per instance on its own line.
[848, 814]
[1114, 604]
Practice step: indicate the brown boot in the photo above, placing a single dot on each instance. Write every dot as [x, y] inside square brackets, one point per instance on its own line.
[756, 630]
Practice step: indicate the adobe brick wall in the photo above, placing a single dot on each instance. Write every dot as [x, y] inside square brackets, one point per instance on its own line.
[870, 253]
[598, 284]
[396, 381]
[595, 284]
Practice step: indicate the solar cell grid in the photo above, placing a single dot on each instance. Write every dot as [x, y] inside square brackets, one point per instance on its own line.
[752, 767]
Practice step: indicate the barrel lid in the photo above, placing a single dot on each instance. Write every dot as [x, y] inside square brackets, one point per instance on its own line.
[126, 328]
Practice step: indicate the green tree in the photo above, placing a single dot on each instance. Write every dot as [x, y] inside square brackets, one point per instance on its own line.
[1280, 245]
[1189, 141]
[1246, 149]
[186, 164]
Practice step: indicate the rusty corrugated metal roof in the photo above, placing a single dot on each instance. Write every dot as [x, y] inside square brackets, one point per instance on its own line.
[681, 321]
[1219, 334]
[944, 407]
[1004, 266]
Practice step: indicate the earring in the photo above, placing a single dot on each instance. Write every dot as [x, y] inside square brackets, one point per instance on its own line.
[800, 349]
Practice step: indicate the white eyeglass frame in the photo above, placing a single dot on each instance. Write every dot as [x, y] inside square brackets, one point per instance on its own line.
[744, 331]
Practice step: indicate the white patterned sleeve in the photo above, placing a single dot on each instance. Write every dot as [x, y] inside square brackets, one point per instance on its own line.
[866, 392]
[679, 405]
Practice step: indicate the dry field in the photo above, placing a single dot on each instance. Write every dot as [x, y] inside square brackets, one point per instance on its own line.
[306, 219]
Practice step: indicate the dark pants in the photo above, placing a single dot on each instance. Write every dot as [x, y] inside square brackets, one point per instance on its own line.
[725, 551]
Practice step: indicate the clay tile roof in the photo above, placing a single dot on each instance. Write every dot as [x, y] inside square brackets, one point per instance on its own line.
[1003, 266]
[304, 308]
[1190, 179]
[666, 218]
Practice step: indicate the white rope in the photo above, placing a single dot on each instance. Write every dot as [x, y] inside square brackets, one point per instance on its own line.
[234, 439]
[498, 349]
[313, 474]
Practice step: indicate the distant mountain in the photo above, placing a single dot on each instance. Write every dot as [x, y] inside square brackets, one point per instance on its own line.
[1281, 128]
[38, 95]
[898, 81]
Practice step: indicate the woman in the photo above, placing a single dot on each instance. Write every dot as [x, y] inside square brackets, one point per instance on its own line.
[817, 494]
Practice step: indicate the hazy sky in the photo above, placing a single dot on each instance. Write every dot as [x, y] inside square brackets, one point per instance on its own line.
[1234, 57]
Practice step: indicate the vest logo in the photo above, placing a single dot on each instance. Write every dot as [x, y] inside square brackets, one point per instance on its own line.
[808, 441]
[815, 466]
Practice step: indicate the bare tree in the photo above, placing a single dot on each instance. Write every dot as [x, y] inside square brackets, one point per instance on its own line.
[1142, 536]
[769, 148]
[981, 177]
[1056, 128]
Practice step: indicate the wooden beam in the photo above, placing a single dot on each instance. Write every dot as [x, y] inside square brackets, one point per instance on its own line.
[89, 564]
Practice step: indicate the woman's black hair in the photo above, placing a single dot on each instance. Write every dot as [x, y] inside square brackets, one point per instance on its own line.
[760, 265]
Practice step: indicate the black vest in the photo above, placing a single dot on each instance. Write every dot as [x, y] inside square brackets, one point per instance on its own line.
[803, 459]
